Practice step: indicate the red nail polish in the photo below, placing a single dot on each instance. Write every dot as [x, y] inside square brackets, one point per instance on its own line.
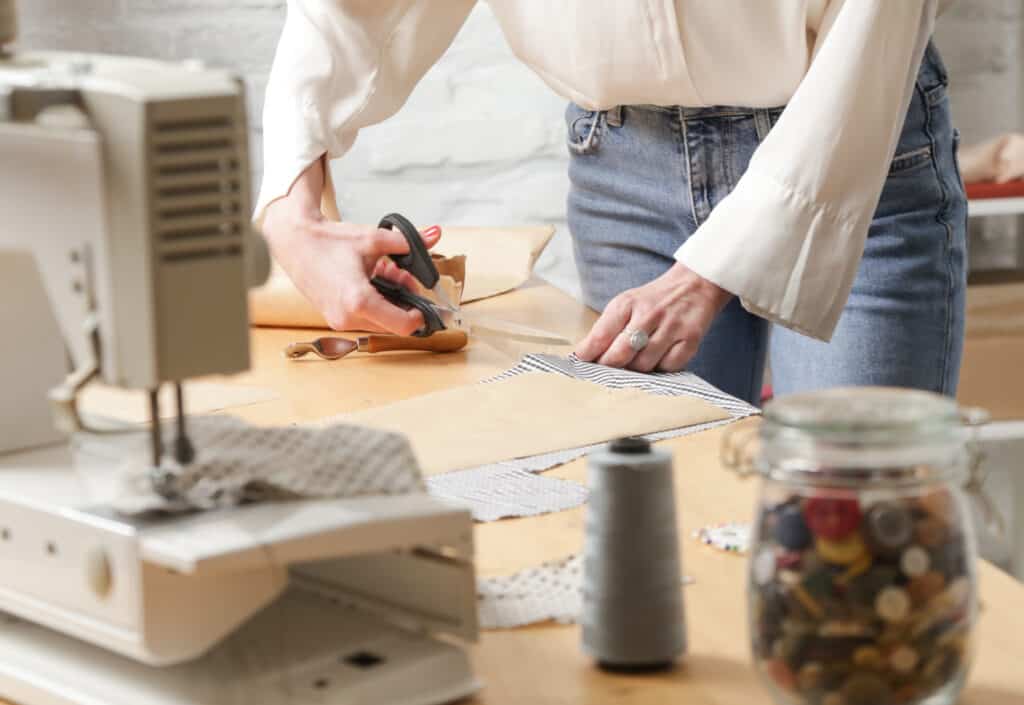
[432, 231]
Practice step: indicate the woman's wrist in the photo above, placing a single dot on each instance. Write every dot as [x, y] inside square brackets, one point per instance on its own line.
[689, 282]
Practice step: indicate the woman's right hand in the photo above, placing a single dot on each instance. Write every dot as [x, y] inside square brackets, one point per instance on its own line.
[331, 263]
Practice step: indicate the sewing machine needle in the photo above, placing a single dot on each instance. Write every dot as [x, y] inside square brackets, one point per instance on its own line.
[184, 452]
[154, 426]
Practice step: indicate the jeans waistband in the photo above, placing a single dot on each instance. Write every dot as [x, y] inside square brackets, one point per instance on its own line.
[713, 111]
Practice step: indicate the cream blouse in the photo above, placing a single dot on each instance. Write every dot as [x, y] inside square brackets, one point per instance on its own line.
[787, 240]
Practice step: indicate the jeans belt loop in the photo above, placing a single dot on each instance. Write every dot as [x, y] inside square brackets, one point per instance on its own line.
[614, 116]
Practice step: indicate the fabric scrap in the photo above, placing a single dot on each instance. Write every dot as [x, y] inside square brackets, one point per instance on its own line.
[498, 491]
[237, 463]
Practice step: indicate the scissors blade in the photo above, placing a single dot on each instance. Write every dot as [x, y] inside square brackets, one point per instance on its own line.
[493, 327]
[443, 302]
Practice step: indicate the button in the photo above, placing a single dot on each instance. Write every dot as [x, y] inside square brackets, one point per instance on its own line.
[866, 689]
[892, 604]
[864, 589]
[832, 518]
[907, 694]
[805, 600]
[915, 562]
[841, 552]
[791, 530]
[903, 659]
[846, 628]
[889, 527]
[868, 657]
[764, 566]
[833, 699]
[924, 587]
[810, 676]
[788, 560]
[951, 558]
[940, 505]
[930, 532]
[782, 674]
[819, 583]
[959, 592]
[855, 569]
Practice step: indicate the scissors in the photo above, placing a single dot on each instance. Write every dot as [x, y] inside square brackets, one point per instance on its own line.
[441, 313]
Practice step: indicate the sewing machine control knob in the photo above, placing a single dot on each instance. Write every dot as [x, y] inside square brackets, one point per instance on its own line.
[99, 573]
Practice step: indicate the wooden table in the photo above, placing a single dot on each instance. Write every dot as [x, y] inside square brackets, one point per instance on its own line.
[543, 664]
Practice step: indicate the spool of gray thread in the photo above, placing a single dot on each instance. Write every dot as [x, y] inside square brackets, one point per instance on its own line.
[633, 618]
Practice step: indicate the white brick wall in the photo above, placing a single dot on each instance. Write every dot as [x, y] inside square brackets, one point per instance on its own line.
[983, 45]
[481, 140]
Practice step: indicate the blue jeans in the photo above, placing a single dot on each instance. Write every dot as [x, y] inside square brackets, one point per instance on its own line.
[643, 179]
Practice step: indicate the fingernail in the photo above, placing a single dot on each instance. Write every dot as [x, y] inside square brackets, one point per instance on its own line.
[432, 231]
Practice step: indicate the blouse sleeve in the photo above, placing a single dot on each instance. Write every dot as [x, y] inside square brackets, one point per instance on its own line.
[788, 240]
[342, 65]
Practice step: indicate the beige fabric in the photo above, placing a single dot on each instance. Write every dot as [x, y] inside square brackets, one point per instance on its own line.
[201, 397]
[526, 415]
[787, 241]
[497, 260]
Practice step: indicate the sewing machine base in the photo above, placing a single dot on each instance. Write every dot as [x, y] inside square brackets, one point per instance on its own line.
[303, 649]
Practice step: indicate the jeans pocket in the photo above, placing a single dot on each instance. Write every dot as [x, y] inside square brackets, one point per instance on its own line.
[584, 129]
[911, 160]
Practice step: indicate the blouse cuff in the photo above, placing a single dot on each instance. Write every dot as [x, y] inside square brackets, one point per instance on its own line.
[788, 259]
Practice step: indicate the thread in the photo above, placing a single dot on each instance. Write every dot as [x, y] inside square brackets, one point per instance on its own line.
[633, 617]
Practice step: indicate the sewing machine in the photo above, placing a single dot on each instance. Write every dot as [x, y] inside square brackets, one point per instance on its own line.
[125, 256]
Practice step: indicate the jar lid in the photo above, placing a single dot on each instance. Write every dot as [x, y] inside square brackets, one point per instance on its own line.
[865, 412]
[862, 435]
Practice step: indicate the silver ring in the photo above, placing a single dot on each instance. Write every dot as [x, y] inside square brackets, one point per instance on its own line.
[638, 339]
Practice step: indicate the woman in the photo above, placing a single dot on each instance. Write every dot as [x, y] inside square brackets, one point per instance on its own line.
[698, 229]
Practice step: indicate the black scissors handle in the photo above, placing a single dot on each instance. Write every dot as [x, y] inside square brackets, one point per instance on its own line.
[403, 298]
[417, 262]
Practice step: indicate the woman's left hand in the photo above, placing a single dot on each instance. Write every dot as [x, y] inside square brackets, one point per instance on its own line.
[675, 311]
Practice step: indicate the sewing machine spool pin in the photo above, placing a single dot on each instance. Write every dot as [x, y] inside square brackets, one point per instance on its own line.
[155, 441]
[184, 451]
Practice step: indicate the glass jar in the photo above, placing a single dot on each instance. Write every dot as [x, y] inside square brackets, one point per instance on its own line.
[861, 582]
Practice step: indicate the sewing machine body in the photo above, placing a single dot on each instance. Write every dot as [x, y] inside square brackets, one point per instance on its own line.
[125, 252]
[200, 609]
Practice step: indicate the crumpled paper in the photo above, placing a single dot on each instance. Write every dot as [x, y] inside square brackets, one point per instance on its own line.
[484, 261]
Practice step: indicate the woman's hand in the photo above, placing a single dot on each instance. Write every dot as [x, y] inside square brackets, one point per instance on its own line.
[675, 311]
[999, 160]
[331, 263]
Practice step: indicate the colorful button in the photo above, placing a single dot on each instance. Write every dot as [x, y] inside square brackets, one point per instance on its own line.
[832, 517]
[915, 562]
[841, 552]
[791, 530]
[889, 528]
[903, 659]
[893, 604]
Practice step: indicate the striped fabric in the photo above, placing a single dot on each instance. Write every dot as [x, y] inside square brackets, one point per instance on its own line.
[673, 384]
